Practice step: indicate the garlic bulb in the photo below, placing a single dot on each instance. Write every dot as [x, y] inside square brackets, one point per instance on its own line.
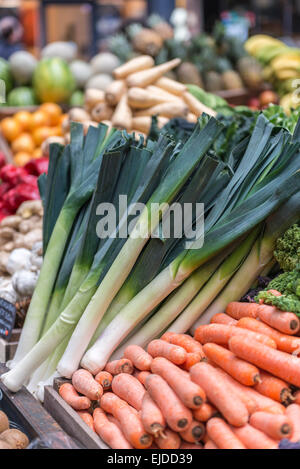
[24, 283]
[19, 259]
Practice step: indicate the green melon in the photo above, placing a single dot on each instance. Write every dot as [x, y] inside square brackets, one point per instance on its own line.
[53, 81]
[6, 76]
[22, 96]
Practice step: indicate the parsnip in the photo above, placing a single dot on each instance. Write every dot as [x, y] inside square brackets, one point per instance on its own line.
[137, 64]
[171, 86]
[170, 110]
[122, 117]
[147, 77]
[114, 92]
[196, 107]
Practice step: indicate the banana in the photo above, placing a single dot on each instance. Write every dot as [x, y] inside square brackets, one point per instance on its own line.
[286, 61]
[255, 43]
[287, 73]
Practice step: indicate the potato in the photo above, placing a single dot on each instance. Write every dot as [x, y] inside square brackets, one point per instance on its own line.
[4, 423]
[15, 438]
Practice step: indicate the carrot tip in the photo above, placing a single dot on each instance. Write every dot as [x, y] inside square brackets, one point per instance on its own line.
[182, 423]
[198, 400]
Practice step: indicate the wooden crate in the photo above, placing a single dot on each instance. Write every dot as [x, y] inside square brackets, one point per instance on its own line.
[8, 349]
[238, 97]
[69, 420]
[28, 415]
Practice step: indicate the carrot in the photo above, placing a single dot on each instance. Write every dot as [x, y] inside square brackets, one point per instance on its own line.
[87, 418]
[129, 389]
[143, 62]
[152, 417]
[114, 92]
[191, 395]
[130, 422]
[117, 367]
[160, 348]
[242, 371]
[169, 440]
[171, 86]
[220, 393]
[287, 323]
[253, 438]
[238, 310]
[191, 360]
[222, 435]
[170, 110]
[194, 433]
[185, 341]
[285, 343]
[196, 106]
[147, 77]
[104, 379]
[210, 445]
[109, 432]
[222, 318]
[275, 426]
[122, 117]
[177, 416]
[280, 364]
[296, 398]
[71, 397]
[140, 98]
[139, 358]
[293, 414]
[273, 387]
[205, 412]
[220, 334]
[141, 376]
[84, 383]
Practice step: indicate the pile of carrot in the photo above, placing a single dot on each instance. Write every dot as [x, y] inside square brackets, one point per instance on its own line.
[232, 386]
[140, 91]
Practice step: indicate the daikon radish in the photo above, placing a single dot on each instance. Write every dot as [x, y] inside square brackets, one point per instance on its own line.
[147, 77]
[137, 64]
[196, 107]
[171, 86]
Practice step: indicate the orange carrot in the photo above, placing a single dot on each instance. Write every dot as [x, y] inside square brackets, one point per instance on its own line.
[205, 412]
[194, 433]
[109, 432]
[287, 323]
[130, 423]
[191, 360]
[296, 398]
[280, 364]
[220, 393]
[210, 445]
[152, 417]
[191, 395]
[185, 341]
[104, 379]
[222, 435]
[220, 334]
[169, 440]
[129, 389]
[141, 376]
[240, 370]
[71, 397]
[273, 387]
[275, 426]
[222, 318]
[178, 416]
[293, 414]
[117, 367]
[84, 383]
[253, 438]
[285, 343]
[139, 358]
[242, 310]
[87, 418]
[174, 353]
[147, 77]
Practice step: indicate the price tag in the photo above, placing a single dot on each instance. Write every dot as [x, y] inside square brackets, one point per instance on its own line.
[7, 318]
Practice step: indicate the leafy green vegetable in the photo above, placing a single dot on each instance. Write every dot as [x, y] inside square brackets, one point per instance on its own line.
[287, 252]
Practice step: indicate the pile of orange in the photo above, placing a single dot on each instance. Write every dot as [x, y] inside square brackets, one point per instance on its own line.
[26, 131]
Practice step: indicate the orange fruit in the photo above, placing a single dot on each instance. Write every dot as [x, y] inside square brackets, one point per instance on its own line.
[39, 119]
[37, 153]
[21, 158]
[10, 128]
[57, 131]
[23, 143]
[54, 112]
[40, 134]
[24, 118]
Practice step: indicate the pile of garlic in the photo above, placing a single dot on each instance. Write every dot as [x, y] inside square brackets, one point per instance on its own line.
[21, 252]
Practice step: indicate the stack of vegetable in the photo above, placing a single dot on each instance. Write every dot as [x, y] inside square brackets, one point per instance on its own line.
[27, 131]
[11, 438]
[94, 290]
[215, 62]
[58, 77]
[281, 66]
[139, 92]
